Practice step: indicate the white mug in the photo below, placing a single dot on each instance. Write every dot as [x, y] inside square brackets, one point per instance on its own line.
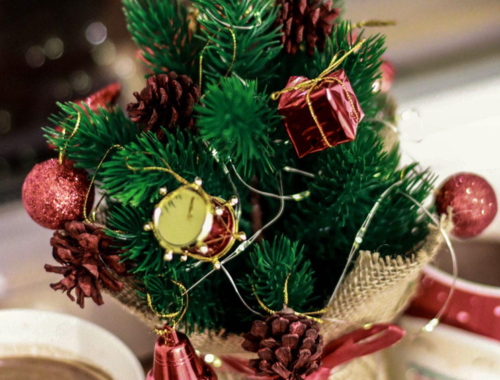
[59, 336]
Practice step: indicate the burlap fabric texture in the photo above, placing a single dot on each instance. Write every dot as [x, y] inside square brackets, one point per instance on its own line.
[376, 290]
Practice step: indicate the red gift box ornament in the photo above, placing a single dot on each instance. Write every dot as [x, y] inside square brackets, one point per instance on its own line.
[323, 112]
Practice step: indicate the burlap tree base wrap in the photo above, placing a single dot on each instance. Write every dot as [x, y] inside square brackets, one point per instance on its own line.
[376, 290]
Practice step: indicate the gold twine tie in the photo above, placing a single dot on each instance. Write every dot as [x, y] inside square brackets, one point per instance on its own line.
[285, 301]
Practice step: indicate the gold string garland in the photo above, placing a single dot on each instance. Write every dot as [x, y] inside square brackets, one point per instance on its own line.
[62, 152]
[167, 169]
[170, 316]
[285, 306]
[233, 35]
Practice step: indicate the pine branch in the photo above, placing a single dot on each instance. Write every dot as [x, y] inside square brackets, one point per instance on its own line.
[236, 120]
[183, 152]
[96, 134]
[256, 42]
[353, 176]
[270, 266]
[362, 68]
[204, 312]
[126, 224]
[162, 30]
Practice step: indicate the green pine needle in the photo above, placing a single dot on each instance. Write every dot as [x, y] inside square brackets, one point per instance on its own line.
[257, 43]
[125, 224]
[185, 154]
[362, 68]
[236, 120]
[203, 313]
[161, 29]
[97, 133]
[270, 265]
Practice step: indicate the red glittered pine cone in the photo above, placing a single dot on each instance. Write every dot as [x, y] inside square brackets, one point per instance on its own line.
[289, 346]
[167, 101]
[89, 260]
[304, 20]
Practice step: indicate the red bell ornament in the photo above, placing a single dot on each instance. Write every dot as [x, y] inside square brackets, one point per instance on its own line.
[175, 359]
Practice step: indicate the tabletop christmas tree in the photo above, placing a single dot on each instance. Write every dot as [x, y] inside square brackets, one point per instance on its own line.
[244, 189]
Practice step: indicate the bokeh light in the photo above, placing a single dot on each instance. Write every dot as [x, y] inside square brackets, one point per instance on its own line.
[96, 33]
[5, 121]
[104, 54]
[54, 48]
[35, 56]
[125, 67]
[81, 82]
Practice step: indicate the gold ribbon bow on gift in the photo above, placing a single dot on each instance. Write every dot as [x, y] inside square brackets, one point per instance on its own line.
[311, 84]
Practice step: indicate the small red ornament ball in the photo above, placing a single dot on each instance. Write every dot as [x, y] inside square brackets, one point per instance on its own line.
[54, 194]
[472, 200]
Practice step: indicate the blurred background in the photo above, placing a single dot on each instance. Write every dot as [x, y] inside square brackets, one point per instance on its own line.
[446, 55]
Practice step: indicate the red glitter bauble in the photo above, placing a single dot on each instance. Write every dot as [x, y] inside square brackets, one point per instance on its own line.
[54, 194]
[473, 202]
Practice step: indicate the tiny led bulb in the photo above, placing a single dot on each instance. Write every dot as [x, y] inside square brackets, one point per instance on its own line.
[242, 236]
[168, 256]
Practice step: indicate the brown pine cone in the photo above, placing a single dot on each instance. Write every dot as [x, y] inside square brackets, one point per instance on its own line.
[289, 346]
[86, 254]
[167, 101]
[307, 20]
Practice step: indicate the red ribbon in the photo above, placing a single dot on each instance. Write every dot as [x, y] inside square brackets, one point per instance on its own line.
[355, 345]
[342, 350]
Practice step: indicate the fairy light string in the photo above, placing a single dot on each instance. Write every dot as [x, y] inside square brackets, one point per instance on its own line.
[429, 327]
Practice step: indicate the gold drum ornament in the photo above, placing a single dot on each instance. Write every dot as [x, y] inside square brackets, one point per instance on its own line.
[191, 223]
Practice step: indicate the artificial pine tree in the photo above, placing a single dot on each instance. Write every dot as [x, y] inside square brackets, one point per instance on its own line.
[228, 133]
